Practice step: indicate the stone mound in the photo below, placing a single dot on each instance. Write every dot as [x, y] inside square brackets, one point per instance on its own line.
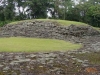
[46, 29]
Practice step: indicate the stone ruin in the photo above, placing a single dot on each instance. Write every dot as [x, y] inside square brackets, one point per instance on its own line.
[46, 29]
[49, 63]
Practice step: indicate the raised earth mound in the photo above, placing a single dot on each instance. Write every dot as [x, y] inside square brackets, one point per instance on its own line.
[46, 29]
[85, 61]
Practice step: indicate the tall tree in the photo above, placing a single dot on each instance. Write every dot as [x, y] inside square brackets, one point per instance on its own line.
[38, 8]
[10, 10]
[94, 15]
[2, 14]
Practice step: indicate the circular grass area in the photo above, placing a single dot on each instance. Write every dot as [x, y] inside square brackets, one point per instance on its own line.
[19, 44]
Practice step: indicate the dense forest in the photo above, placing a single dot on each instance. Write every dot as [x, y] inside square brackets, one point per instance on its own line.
[87, 11]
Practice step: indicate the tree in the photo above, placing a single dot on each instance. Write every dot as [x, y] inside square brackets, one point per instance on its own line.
[38, 8]
[9, 10]
[86, 11]
[68, 6]
[1, 14]
[94, 14]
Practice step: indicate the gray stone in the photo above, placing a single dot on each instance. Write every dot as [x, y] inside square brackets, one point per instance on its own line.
[96, 46]
[6, 68]
[1, 65]
[45, 29]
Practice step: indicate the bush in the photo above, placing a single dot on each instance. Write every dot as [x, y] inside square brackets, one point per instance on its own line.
[2, 23]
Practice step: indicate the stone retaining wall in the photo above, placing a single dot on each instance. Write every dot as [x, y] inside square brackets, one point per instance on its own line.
[46, 29]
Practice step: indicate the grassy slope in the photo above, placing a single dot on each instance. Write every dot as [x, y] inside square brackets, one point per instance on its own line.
[18, 44]
[62, 22]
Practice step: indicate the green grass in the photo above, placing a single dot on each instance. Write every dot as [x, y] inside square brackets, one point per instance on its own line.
[94, 58]
[2, 23]
[64, 22]
[19, 44]
[61, 22]
[96, 28]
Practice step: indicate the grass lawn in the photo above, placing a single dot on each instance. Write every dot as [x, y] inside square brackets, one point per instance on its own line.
[19, 44]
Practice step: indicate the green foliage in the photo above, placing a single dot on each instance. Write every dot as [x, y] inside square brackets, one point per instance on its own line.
[88, 12]
[2, 23]
[18, 44]
[2, 18]
[85, 11]
[38, 8]
[94, 14]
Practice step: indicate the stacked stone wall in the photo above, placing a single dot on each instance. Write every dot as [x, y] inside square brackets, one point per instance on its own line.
[46, 29]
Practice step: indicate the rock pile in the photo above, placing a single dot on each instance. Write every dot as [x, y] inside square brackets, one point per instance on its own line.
[50, 63]
[46, 29]
[41, 64]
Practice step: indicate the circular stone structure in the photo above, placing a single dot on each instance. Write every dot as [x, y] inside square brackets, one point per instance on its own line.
[49, 63]
[46, 29]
